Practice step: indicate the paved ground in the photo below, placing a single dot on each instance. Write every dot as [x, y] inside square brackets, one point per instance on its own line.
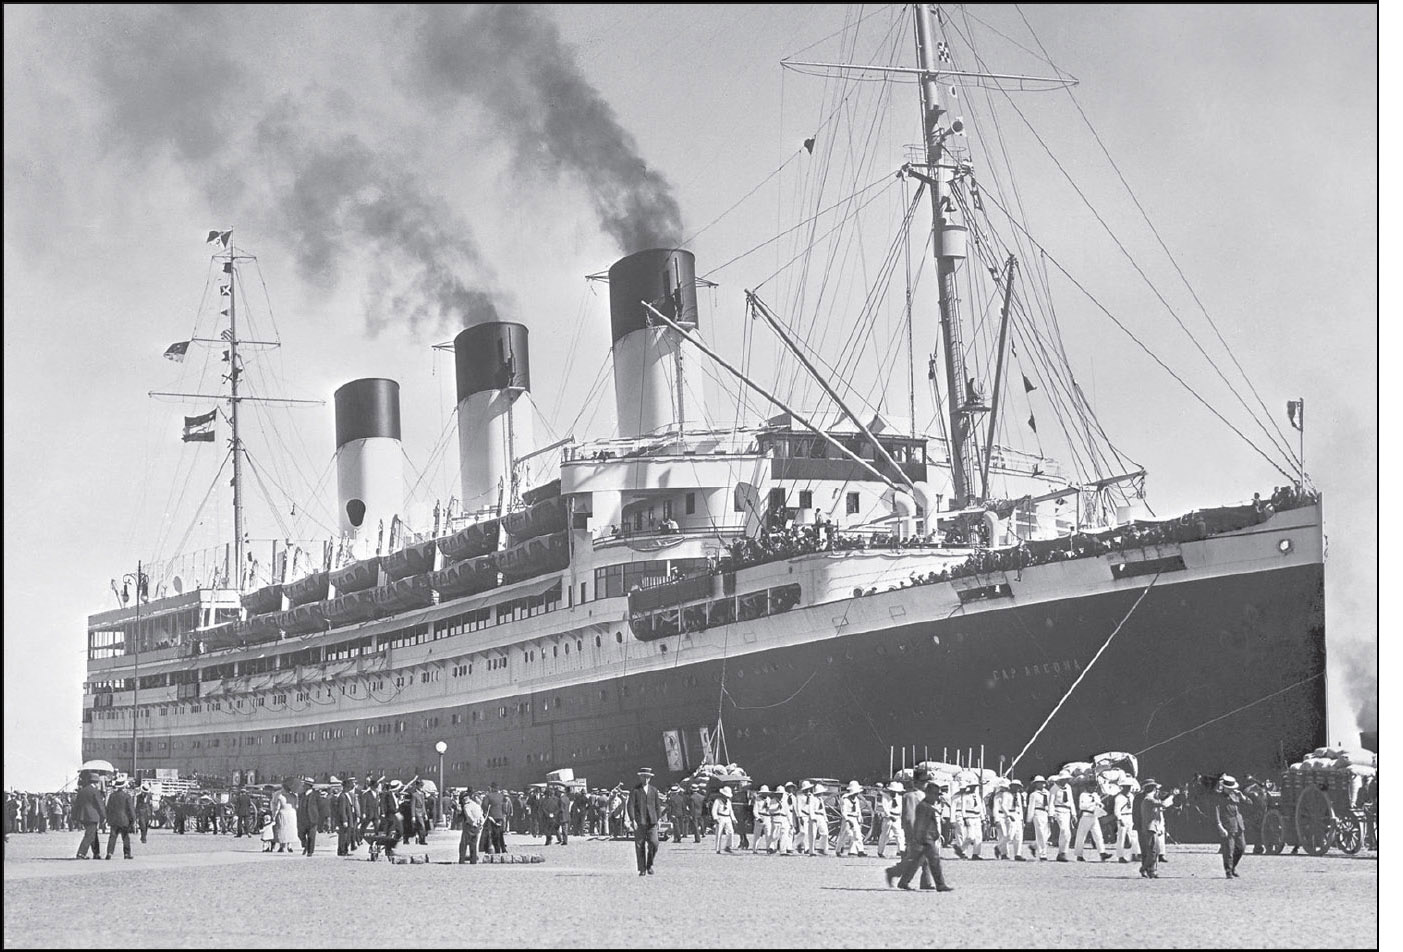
[185, 891]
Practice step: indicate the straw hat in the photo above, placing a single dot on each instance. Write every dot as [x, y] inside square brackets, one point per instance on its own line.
[1015, 783]
[854, 788]
[763, 789]
[1039, 779]
[896, 786]
[1227, 783]
[806, 785]
[725, 792]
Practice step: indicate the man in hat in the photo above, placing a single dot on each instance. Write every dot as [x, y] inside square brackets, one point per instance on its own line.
[1231, 827]
[677, 811]
[1089, 813]
[1152, 806]
[1039, 803]
[555, 815]
[370, 807]
[419, 809]
[308, 816]
[891, 819]
[850, 839]
[696, 806]
[1123, 806]
[1063, 808]
[495, 813]
[345, 814]
[391, 824]
[473, 819]
[924, 840]
[723, 814]
[90, 812]
[761, 840]
[242, 807]
[144, 810]
[121, 818]
[1008, 819]
[971, 809]
[644, 810]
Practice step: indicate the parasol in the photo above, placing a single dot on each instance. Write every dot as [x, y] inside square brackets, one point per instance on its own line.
[98, 766]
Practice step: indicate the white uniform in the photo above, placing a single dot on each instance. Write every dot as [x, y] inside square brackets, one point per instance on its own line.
[782, 823]
[725, 817]
[1089, 812]
[1008, 815]
[1065, 808]
[1125, 826]
[972, 824]
[761, 810]
[814, 816]
[891, 828]
[1039, 803]
[850, 840]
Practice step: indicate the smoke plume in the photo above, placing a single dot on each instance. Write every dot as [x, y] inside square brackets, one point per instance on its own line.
[169, 86]
[510, 61]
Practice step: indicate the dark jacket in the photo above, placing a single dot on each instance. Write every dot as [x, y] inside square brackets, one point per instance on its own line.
[121, 815]
[369, 805]
[926, 828]
[644, 806]
[88, 806]
[243, 803]
[344, 811]
[1229, 814]
[697, 802]
[308, 810]
[494, 806]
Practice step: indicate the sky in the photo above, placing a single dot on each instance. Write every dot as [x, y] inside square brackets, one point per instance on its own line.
[400, 172]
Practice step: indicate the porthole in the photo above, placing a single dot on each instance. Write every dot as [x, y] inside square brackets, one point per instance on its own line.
[1284, 546]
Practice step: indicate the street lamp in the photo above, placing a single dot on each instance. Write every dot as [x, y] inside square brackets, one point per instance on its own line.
[442, 748]
[138, 583]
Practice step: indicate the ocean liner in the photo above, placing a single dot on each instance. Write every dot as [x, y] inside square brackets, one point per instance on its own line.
[798, 595]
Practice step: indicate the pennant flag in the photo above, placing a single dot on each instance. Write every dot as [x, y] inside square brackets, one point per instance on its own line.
[942, 51]
[199, 429]
[1028, 385]
[225, 289]
[176, 351]
[228, 267]
[1032, 423]
[225, 358]
[809, 145]
[220, 238]
[225, 334]
[1296, 413]
[224, 312]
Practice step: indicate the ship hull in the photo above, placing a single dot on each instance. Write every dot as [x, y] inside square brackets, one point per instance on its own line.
[1214, 674]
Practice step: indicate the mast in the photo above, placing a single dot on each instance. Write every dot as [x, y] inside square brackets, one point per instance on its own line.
[949, 248]
[238, 447]
[998, 377]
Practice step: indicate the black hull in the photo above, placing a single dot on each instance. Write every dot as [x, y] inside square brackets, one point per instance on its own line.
[1221, 674]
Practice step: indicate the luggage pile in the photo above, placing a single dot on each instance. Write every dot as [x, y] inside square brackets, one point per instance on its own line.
[1339, 770]
[716, 776]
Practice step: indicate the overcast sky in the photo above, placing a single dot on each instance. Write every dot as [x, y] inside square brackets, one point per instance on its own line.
[401, 171]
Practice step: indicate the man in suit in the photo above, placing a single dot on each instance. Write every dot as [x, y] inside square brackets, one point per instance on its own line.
[495, 812]
[1152, 807]
[308, 817]
[144, 810]
[370, 807]
[924, 851]
[1231, 828]
[243, 805]
[121, 818]
[555, 815]
[345, 813]
[916, 856]
[645, 807]
[419, 810]
[88, 811]
[696, 804]
[677, 812]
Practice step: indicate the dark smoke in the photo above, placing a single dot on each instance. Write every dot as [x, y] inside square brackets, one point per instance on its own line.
[510, 61]
[169, 86]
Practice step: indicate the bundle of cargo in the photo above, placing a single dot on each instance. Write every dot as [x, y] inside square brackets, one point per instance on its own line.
[1119, 760]
[716, 776]
[562, 776]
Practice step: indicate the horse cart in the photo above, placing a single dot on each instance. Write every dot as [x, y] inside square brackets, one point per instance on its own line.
[1315, 809]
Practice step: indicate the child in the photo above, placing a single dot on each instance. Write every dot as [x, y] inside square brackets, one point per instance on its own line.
[266, 836]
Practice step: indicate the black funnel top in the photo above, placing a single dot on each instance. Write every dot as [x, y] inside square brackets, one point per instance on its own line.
[365, 408]
[494, 356]
[664, 277]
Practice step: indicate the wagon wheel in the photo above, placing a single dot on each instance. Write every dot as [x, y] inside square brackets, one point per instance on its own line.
[1273, 832]
[870, 829]
[834, 815]
[1313, 816]
[1351, 836]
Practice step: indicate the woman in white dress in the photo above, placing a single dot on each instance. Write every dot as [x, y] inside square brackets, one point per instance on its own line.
[284, 810]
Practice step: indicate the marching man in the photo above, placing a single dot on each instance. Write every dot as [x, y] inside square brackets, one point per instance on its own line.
[972, 821]
[1089, 813]
[762, 820]
[891, 827]
[814, 818]
[1039, 803]
[1063, 806]
[1124, 807]
[1008, 816]
[724, 815]
[782, 820]
[851, 838]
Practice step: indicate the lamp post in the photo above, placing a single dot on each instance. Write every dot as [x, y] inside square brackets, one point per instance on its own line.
[442, 748]
[138, 583]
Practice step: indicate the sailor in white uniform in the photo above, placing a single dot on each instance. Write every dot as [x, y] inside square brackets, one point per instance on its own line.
[972, 821]
[1039, 806]
[1064, 808]
[724, 816]
[1008, 813]
[850, 840]
[1124, 808]
[891, 812]
[761, 810]
[1089, 813]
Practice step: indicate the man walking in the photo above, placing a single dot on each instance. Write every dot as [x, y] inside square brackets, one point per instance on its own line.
[723, 815]
[345, 815]
[308, 817]
[121, 818]
[1124, 808]
[891, 819]
[1152, 827]
[143, 810]
[644, 809]
[1039, 803]
[242, 805]
[420, 811]
[850, 840]
[1063, 807]
[696, 804]
[677, 812]
[88, 811]
[1231, 828]
[924, 853]
[1089, 813]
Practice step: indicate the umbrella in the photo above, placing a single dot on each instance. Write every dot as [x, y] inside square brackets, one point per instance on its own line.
[429, 786]
[98, 766]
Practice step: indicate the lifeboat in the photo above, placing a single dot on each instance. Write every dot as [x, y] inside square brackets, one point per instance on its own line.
[263, 627]
[312, 588]
[356, 577]
[303, 619]
[543, 518]
[269, 598]
[536, 556]
[465, 578]
[469, 543]
[411, 560]
[412, 592]
[351, 607]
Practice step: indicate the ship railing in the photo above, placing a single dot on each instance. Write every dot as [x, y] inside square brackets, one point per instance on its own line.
[741, 442]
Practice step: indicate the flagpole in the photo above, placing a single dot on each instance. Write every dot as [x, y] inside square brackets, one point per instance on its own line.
[234, 426]
[1301, 442]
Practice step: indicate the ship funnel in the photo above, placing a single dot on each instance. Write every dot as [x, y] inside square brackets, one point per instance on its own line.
[651, 390]
[495, 412]
[369, 461]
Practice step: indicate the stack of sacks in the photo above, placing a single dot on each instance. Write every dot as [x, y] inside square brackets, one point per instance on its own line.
[1110, 781]
[1119, 759]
